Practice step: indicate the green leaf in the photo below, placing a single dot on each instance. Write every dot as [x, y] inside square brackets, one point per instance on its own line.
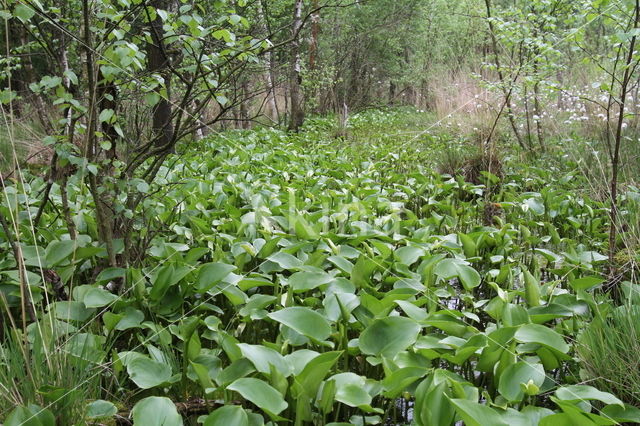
[101, 409]
[32, 415]
[211, 274]
[455, 268]
[408, 255]
[351, 390]
[167, 277]
[536, 205]
[58, 251]
[151, 98]
[432, 405]
[285, 260]
[353, 395]
[388, 336]
[536, 333]
[109, 274]
[71, 310]
[155, 411]
[132, 319]
[229, 415]
[303, 229]
[585, 283]
[584, 393]
[629, 413]
[147, 373]
[98, 297]
[468, 245]
[106, 115]
[305, 321]
[261, 394]
[262, 357]
[304, 281]
[399, 380]
[6, 96]
[23, 12]
[531, 289]
[517, 374]
[475, 414]
[362, 271]
[311, 377]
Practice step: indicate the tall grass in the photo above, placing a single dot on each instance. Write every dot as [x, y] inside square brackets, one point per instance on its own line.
[35, 370]
[26, 137]
[609, 348]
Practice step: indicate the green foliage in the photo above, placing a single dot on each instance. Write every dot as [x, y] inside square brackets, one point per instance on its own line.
[297, 282]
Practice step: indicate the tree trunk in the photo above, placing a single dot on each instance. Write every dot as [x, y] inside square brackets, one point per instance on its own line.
[615, 163]
[315, 31]
[295, 78]
[507, 93]
[269, 74]
[158, 62]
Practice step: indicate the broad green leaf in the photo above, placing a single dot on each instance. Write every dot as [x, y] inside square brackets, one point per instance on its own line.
[23, 12]
[388, 336]
[229, 415]
[454, 268]
[71, 310]
[109, 274]
[351, 390]
[304, 281]
[536, 205]
[97, 298]
[475, 414]
[399, 380]
[262, 357]
[585, 283]
[338, 305]
[305, 321]
[285, 260]
[313, 374]
[101, 409]
[353, 395]
[261, 394]
[211, 274]
[132, 318]
[584, 392]
[58, 251]
[432, 405]
[362, 271]
[32, 415]
[147, 373]
[167, 276]
[518, 374]
[536, 333]
[408, 255]
[629, 413]
[155, 411]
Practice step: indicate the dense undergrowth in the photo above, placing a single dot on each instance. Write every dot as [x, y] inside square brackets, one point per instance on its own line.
[323, 277]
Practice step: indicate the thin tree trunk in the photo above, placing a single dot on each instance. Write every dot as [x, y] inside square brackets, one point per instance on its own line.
[507, 93]
[104, 213]
[618, 140]
[158, 62]
[295, 78]
[315, 31]
[269, 74]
